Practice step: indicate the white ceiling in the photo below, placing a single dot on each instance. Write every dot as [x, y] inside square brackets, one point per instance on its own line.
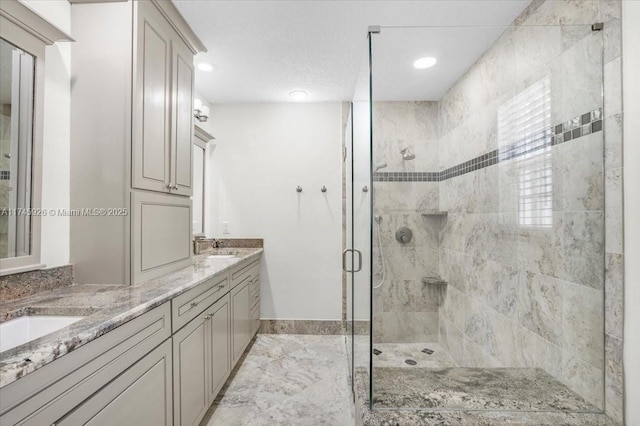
[265, 49]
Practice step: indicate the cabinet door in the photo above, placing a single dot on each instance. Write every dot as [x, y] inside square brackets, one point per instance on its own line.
[141, 395]
[160, 234]
[219, 345]
[182, 118]
[151, 121]
[241, 320]
[191, 399]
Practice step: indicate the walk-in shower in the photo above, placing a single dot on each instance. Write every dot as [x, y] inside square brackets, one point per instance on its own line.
[497, 302]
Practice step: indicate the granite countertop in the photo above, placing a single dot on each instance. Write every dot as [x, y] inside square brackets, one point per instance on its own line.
[105, 306]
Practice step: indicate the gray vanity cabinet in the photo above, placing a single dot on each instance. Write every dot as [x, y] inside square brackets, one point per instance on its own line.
[201, 362]
[190, 372]
[219, 346]
[240, 321]
[139, 396]
[163, 103]
[161, 239]
[131, 135]
[126, 373]
[245, 306]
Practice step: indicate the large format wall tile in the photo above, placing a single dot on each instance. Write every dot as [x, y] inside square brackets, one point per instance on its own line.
[613, 306]
[583, 243]
[583, 378]
[541, 249]
[583, 323]
[614, 377]
[614, 210]
[540, 353]
[582, 173]
[582, 83]
[540, 306]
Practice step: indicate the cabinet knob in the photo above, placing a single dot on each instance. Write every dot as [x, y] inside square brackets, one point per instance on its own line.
[207, 317]
[174, 187]
[169, 185]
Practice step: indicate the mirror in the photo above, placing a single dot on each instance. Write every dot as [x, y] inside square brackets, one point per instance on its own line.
[16, 150]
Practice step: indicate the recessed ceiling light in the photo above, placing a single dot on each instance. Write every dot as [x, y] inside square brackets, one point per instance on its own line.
[298, 95]
[206, 66]
[424, 63]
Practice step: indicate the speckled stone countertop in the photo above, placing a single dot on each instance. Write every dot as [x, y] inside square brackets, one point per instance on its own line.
[106, 307]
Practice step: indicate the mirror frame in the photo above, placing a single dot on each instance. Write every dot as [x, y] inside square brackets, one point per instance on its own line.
[24, 28]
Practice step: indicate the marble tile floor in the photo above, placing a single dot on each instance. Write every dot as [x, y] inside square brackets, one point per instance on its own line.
[287, 380]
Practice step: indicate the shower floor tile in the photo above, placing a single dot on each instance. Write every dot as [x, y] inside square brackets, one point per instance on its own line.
[396, 355]
[456, 388]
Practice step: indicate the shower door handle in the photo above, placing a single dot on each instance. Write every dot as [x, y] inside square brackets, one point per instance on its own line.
[344, 260]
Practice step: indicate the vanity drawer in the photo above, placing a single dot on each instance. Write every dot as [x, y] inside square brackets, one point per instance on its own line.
[189, 305]
[254, 285]
[255, 318]
[245, 271]
[254, 295]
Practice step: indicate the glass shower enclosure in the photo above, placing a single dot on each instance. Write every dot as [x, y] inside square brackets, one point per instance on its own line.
[475, 220]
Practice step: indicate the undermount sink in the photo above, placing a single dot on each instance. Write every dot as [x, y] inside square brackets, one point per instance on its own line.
[223, 253]
[26, 328]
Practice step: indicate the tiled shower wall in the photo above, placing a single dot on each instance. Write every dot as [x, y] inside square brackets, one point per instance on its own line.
[405, 309]
[524, 289]
[523, 247]
[527, 283]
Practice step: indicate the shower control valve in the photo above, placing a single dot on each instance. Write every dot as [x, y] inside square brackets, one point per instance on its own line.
[404, 235]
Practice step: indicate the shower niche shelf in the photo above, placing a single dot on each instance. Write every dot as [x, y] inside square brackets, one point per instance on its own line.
[437, 288]
[433, 212]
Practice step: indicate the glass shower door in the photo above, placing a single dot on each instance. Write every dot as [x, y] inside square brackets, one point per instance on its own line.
[357, 256]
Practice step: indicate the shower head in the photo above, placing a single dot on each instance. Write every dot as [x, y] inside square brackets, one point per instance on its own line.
[406, 154]
[380, 166]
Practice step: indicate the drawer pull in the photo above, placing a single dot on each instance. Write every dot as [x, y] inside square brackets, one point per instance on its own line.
[194, 304]
[207, 317]
[220, 287]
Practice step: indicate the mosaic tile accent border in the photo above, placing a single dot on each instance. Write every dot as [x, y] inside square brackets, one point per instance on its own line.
[577, 127]
[407, 177]
[5, 174]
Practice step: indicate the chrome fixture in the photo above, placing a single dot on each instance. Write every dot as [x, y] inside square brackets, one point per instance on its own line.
[404, 235]
[378, 167]
[323, 189]
[299, 189]
[406, 154]
[344, 260]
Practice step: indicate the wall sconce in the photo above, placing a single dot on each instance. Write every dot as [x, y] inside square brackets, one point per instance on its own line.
[200, 111]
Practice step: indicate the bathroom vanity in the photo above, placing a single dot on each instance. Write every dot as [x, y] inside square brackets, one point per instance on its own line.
[155, 353]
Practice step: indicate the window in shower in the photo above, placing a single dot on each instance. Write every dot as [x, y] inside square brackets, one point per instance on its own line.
[524, 131]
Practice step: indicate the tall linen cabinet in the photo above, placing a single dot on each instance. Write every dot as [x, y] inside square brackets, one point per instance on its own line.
[132, 91]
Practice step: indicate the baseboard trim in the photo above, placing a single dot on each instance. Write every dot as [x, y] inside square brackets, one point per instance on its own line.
[326, 327]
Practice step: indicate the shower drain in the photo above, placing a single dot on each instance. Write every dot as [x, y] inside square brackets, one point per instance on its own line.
[410, 362]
